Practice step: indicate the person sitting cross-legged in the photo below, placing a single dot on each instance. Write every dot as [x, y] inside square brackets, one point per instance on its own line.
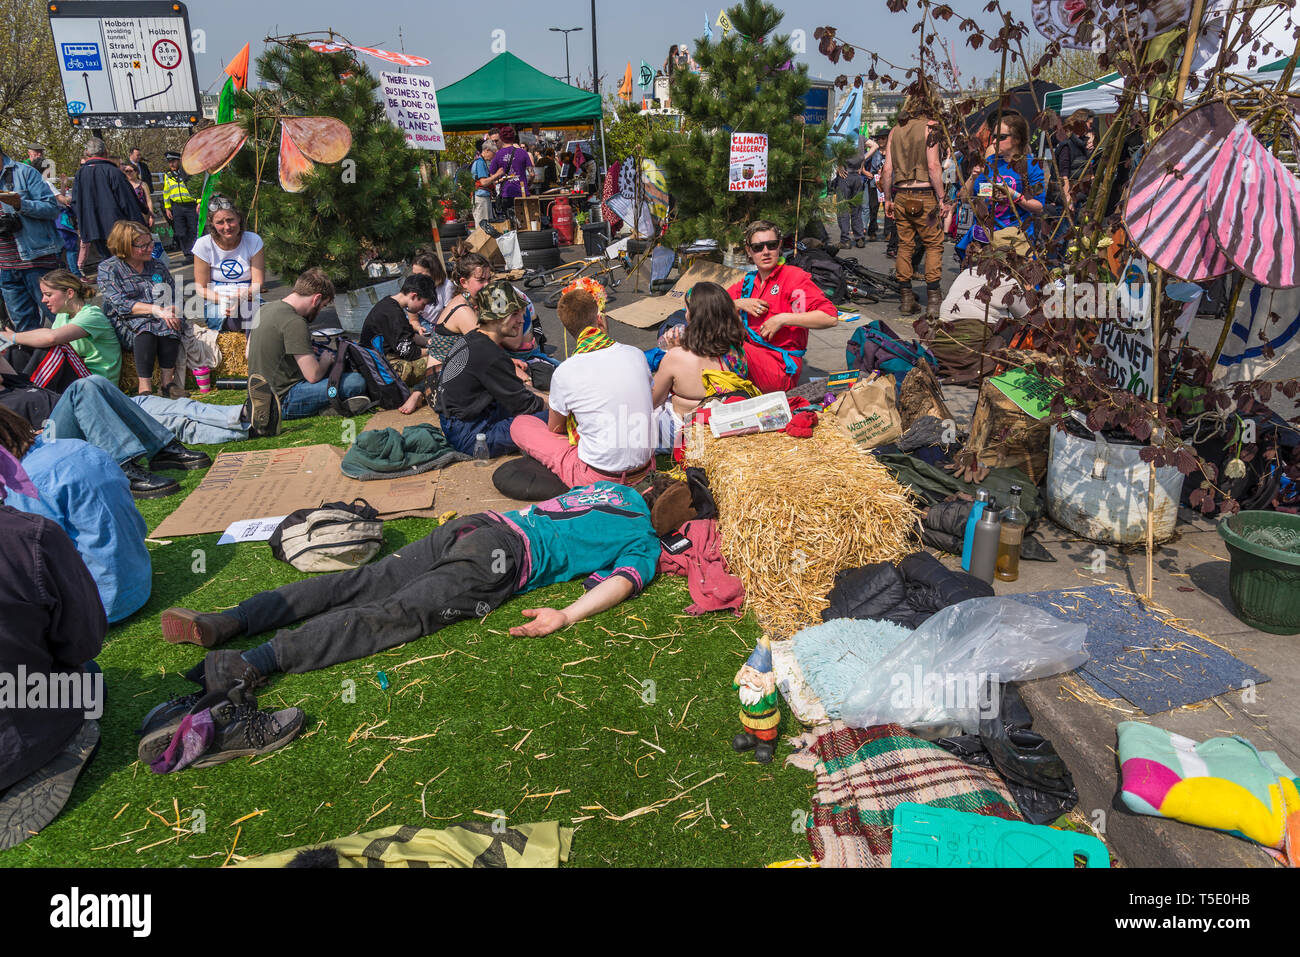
[600, 423]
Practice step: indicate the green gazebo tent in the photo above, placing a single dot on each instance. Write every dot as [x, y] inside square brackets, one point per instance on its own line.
[508, 90]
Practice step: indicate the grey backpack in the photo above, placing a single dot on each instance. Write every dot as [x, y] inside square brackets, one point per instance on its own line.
[335, 537]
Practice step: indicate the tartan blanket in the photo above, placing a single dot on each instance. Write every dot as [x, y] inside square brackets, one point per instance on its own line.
[863, 774]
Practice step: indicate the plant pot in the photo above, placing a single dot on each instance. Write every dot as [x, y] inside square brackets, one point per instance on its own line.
[1097, 488]
[353, 305]
[1264, 581]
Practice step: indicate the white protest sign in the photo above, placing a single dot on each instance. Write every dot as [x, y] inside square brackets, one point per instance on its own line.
[748, 164]
[250, 530]
[412, 106]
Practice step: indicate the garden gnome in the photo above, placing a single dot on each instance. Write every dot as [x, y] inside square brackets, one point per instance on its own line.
[759, 715]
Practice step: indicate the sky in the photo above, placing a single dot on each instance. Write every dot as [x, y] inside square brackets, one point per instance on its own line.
[459, 37]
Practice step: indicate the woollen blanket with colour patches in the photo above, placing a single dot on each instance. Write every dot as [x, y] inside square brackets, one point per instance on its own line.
[1222, 783]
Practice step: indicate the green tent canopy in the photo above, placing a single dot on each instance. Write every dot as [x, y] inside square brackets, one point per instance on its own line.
[508, 90]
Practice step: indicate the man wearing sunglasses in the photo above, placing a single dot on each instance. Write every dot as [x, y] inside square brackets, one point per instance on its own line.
[778, 305]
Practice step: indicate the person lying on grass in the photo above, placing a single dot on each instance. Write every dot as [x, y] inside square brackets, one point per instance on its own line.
[94, 410]
[463, 569]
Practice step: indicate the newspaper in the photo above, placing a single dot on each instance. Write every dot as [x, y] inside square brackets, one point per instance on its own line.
[766, 413]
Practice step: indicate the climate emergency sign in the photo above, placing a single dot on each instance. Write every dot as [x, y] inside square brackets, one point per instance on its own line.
[412, 106]
[747, 171]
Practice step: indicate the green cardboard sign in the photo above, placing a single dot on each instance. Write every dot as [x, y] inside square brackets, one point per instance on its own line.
[1032, 393]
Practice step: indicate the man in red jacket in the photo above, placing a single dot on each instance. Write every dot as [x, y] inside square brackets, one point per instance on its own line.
[778, 304]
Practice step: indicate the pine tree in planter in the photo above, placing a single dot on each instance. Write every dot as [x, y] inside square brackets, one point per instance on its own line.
[370, 206]
[748, 84]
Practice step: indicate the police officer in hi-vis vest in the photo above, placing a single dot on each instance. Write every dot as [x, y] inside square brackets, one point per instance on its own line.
[180, 207]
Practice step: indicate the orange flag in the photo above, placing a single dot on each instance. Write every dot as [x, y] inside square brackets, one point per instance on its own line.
[237, 68]
[625, 91]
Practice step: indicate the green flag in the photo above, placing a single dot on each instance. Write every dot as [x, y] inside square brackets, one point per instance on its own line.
[225, 114]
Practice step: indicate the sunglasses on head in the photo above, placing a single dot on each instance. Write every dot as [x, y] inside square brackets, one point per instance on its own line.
[771, 244]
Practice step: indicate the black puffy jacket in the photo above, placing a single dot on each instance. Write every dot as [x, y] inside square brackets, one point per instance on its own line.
[907, 595]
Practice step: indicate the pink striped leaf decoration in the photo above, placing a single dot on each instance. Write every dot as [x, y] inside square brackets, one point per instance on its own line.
[1165, 211]
[1254, 208]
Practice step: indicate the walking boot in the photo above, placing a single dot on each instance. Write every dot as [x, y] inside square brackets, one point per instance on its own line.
[907, 302]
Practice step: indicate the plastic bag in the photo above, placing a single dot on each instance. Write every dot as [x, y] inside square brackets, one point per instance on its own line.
[943, 673]
[508, 244]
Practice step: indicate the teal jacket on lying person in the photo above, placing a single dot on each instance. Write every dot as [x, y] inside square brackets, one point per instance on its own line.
[87, 494]
[603, 526]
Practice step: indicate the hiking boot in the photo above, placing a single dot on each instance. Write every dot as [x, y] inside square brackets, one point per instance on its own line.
[239, 729]
[861, 243]
[764, 752]
[169, 712]
[222, 670]
[144, 484]
[932, 305]
[907, 302]
[30, 804]
[261, 409]
[173, 455]
[183, 625]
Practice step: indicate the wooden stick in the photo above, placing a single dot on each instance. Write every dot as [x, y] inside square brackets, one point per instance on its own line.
[1155, 397]
[1189, 49]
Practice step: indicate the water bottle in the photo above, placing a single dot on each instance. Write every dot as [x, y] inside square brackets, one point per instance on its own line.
[481, 454]
[984, 548]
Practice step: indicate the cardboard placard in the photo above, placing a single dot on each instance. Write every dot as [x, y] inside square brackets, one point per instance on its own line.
[868, 413]
[243, 485]
[653, 310]
[411, 104]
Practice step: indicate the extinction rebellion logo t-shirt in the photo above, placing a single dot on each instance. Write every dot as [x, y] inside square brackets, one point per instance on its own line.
[230, 267]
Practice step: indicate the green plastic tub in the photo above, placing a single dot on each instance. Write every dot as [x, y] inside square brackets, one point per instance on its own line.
[1264, 581]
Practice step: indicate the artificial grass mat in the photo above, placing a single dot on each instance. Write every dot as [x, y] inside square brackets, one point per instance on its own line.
[462, 725]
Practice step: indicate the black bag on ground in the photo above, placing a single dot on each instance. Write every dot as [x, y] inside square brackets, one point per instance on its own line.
[1035, 774]
[826, 271]
[334, 537]
[382, 383]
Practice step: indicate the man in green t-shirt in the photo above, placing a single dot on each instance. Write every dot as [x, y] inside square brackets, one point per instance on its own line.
[280, 350]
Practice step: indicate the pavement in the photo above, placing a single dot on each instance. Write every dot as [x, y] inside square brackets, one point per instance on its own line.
[1190, 581]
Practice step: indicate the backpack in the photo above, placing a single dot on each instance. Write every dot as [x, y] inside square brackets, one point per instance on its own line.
[875, 347]
[827, 272]
[382, 384]
[335, 537]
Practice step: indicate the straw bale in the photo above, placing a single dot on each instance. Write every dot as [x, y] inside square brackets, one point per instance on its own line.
[793, 512]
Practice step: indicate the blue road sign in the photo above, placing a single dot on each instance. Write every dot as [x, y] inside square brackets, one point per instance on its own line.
[81, 56]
